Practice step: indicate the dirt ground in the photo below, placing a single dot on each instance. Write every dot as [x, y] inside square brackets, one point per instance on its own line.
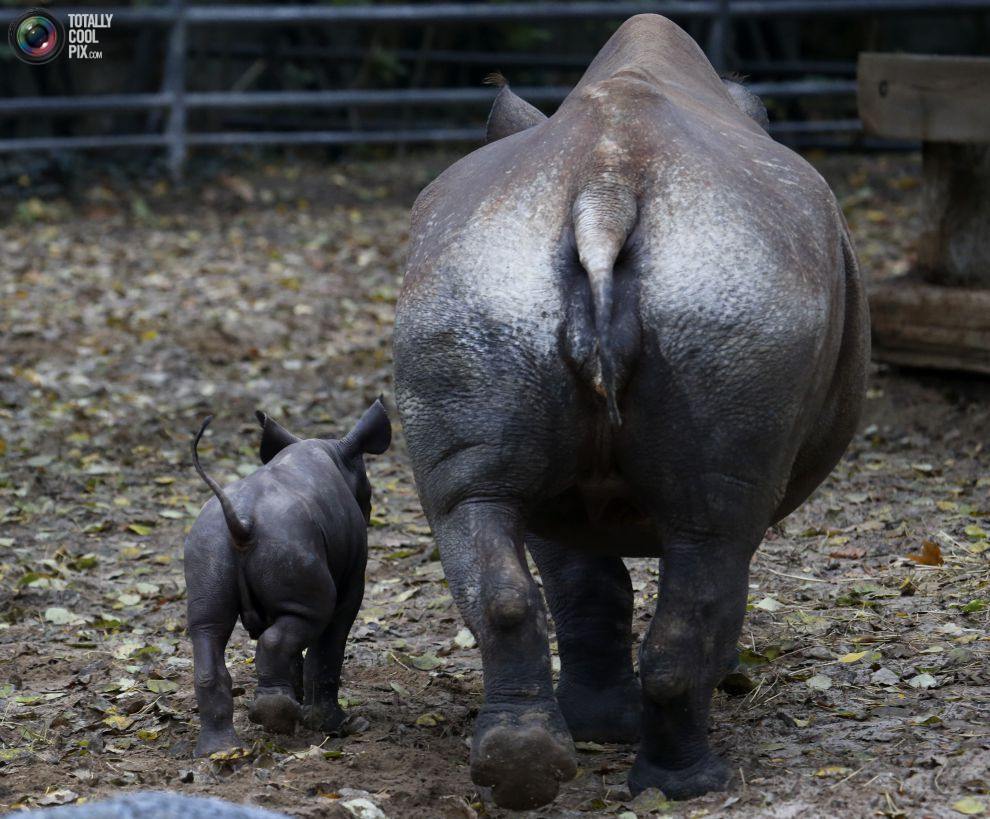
[130, 311]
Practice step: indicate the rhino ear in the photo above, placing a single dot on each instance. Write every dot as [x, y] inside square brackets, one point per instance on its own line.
[372, 433]
[510, 113]
[274, 438]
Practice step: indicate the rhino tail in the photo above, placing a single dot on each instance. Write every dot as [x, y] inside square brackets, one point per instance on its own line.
[240, 531]
[604, 215]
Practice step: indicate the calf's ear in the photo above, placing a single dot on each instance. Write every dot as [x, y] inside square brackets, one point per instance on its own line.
[372, 433]
[274, 438]
[510, 113]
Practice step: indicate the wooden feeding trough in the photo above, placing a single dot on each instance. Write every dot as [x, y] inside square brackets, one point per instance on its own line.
[938, 315]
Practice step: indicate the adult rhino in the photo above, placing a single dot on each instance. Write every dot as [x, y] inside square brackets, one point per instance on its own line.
[634, 328]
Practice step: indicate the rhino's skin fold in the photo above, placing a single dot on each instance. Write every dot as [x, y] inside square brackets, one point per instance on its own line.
[636, 327]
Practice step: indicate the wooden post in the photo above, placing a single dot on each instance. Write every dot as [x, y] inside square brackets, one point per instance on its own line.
[939, 314]
[954, 246]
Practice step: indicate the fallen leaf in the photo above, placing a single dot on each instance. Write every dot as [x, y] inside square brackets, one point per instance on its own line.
[832, 770]
[140, 528]
[61, 796]
[930, 554]
[848, 553]
[884, 676]
[61, 617]
[465, 639]
[968, 806]
[819, 682]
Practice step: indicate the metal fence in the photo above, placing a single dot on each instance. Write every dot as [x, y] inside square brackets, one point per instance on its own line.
[176, 18]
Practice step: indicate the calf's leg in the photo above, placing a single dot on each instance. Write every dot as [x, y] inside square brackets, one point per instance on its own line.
[275, 704]
[521, 746]
[324, 660]
[591, 601]
[213, 687]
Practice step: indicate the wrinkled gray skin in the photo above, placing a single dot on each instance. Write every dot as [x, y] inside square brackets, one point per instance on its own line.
[285, 549]
[155, 805]
[634, 328]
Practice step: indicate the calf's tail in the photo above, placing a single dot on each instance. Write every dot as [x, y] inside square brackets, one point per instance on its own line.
[604, 215]
[240, 535]
[240, 531]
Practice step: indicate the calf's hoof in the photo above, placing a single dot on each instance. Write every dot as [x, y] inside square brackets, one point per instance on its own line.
[707, 774]
[522, 755]
[323, 718]
[601, 714]
[275, 710]
[212, 741]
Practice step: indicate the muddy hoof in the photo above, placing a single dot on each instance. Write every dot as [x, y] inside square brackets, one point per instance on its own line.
[323, 718]
[601, 714]
[210, 743]
[276, 711]
[522, 755]
[708, 774]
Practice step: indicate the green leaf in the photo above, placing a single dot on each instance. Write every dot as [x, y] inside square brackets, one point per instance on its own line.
[399, 554]
[162, 686]
[425, 662]
[969, 806]
[140, 528]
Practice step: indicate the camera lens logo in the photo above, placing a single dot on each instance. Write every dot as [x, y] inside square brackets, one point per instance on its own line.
[36, 37]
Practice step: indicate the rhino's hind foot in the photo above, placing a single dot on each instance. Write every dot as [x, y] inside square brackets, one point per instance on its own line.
[522, 755]
[275, 710]
[210, 742]
[707, 774]
[611, 714]
[324, 718]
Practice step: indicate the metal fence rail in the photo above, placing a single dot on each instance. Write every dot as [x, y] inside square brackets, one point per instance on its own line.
[177, 17]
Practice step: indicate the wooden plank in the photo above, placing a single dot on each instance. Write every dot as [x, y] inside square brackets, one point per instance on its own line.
[919, 96]
[924, 325]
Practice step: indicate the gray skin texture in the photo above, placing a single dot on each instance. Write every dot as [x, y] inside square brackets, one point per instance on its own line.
[285, 549]
[634, 328]
[157, 805]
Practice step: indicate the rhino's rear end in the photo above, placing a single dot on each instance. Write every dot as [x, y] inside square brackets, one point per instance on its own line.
[613, 298]
[635, 328]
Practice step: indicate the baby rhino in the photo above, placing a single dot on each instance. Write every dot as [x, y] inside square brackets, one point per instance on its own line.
[285, 549]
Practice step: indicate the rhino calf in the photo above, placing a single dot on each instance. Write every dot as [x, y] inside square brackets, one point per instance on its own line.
[634, 328]
[285, 549]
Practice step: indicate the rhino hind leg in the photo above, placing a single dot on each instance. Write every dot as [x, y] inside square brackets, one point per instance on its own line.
[276, 705]
[213, 687]
[591, 601]
[521, 747]
[691, 641]
[324, 662]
